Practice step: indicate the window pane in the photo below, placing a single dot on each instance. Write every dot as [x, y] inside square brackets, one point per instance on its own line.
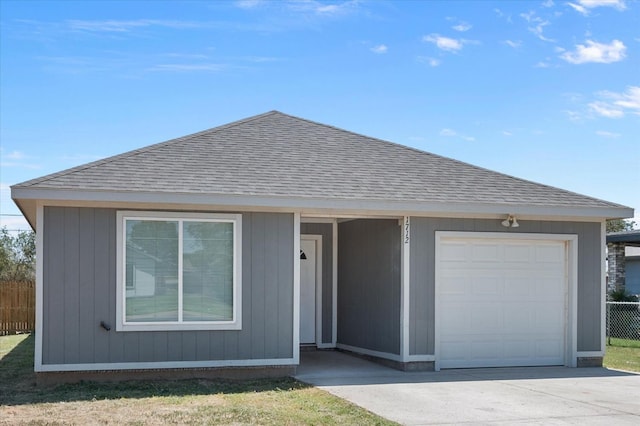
[207, 271]
[152, 271]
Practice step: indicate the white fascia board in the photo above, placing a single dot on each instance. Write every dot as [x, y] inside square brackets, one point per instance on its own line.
[309, 206]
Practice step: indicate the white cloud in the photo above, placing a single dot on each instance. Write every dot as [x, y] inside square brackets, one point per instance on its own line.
[381, 48]
[249, 4]
[513, 43]
[506, 133]
[593, 51]
[320, 8]
[19, 165]
[115, 26]
[574, 115]
[452, 133]
[583, 6]
[327, 8]
[543, 64]
[548, 3]
[628, 101]
[188, 67]
[446, 43]
[608, 135]
[17, 223]
[606, 104]
[14, 155]
[501, 14]
[462, 27]
[432, 62]
[15, 159]
[537, 25]
[605, 110]
[538, 31]
[259, 59]
[580, 9]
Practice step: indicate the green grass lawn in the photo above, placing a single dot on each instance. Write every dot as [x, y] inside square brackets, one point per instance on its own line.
[623, 354]
[282, 401]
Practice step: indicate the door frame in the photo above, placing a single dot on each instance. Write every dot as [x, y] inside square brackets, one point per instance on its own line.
[318, 314]
[570, 290]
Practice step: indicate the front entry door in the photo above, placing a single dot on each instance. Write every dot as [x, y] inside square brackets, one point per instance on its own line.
[308, 288]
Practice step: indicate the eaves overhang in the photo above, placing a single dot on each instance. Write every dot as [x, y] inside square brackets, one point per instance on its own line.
[28, 199]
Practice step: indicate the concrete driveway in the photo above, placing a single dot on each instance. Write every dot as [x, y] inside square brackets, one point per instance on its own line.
[494, 396]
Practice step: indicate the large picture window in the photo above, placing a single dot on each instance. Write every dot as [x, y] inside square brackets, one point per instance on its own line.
[178, 271]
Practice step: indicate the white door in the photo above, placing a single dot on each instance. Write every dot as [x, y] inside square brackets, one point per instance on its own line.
[307, 291]
[501, 302]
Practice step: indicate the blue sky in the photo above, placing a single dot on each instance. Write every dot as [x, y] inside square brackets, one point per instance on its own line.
[544, 90]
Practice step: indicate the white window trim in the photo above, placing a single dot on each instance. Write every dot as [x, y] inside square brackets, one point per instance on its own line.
[234, 324]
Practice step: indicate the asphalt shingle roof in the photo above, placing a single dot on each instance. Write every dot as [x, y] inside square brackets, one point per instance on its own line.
[275, 154]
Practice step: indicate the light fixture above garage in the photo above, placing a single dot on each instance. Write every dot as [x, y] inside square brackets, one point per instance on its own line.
[510, 222]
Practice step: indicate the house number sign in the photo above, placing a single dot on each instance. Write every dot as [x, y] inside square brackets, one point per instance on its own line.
[406, 229]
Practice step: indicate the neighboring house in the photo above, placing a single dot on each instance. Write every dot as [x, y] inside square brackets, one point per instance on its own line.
[624, 261]
[234, 246]
[632, 260]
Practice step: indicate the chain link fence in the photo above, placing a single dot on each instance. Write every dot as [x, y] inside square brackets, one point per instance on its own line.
[623, 323]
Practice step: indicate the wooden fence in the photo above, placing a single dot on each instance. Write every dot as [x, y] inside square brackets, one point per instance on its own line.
[17, 307]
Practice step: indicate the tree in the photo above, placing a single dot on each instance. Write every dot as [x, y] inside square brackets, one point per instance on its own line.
[17, 255]
[620, 225]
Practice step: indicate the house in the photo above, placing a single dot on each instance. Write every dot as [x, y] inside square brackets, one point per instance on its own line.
[229, 249]
[624, 261]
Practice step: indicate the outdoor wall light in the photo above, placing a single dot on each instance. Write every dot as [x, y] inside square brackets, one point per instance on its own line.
[510, 222]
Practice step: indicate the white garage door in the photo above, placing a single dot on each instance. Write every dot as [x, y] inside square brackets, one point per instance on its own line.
[501, 302]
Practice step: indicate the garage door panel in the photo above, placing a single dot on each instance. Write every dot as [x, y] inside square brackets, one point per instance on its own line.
[518, 349]
[548, 288]
[455, 285]
[485, 253]
[550, 253]
[454, 252]
[516, 288]
[517, 254]
[457, 319]
[486, 286]
[549, 319]
[486, 349]
[455, 351]
[550, 349]
[501, 303]
[518, 318]
[486, 316]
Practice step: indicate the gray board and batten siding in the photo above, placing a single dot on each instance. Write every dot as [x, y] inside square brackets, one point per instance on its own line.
[422, 287]
[79, 291]
[369, 284]
[326, 230]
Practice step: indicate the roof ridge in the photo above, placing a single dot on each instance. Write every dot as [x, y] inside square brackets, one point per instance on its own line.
[138, 151]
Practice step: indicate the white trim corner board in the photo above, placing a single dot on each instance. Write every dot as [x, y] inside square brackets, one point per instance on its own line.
[37, 356]
[296, 287]
[405, 287]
